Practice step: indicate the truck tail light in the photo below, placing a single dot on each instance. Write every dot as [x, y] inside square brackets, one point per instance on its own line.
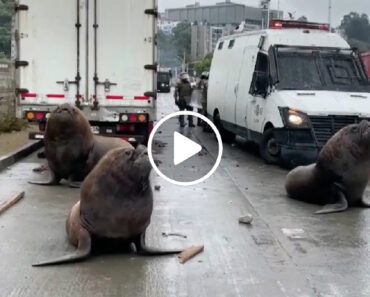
[125, 128]
[30, 116]
[141, 118]
[133, 117]
[124, 118]
[39, 116]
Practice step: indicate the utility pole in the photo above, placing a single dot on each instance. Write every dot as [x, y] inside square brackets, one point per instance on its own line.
[329, 19]
[265, 5]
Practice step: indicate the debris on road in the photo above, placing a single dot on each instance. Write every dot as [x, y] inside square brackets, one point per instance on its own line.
[40, 169]
[190, 253]
[157, 188]
[12, 201]
[293, 233]
[247, 219]
[173, 234]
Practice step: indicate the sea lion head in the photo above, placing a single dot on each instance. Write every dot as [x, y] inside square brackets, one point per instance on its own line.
[66, 121]
[359, 133]
[135, 164]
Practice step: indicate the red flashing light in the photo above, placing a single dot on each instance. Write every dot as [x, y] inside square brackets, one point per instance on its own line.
[141, 98]
[282, 24]
[276, 24]
[114, 97]
[39, 116]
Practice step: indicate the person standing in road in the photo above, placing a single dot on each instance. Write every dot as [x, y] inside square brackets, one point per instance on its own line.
[183, 94]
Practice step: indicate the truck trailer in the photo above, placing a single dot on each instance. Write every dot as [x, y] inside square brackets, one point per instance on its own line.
[98, 55]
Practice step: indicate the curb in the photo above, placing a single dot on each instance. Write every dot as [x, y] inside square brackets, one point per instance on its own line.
[20, 153]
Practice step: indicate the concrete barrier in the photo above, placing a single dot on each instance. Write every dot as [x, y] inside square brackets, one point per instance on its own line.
[7, 89]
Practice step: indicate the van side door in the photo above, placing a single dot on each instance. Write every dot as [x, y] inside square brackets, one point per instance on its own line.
[244, 98]
[258, 92]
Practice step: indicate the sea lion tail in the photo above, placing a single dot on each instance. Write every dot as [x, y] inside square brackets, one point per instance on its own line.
[83, 252]
[76, 257]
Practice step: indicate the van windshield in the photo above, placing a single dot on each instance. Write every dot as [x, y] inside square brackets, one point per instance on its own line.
[163, 77]
[320, 70]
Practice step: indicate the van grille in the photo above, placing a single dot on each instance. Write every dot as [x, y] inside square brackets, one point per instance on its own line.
[325, 127]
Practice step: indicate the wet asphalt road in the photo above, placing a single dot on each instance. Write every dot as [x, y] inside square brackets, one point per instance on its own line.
[287, 251]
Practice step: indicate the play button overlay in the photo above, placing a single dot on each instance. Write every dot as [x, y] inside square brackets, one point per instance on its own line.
[184, 148]
[184, 156]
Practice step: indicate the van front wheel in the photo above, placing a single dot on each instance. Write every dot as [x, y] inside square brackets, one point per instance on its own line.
[269, 148]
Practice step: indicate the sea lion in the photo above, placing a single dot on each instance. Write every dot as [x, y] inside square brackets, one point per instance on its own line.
[339, 177]
[71, 149]
[116, 205]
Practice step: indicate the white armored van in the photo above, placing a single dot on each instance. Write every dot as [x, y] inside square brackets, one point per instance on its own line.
[98, 55]
[288, 88]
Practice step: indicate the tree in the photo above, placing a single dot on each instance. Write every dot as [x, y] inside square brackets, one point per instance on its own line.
[172, 47]
[356, 26]
[182, 39]
[6, 13]
[204, 65]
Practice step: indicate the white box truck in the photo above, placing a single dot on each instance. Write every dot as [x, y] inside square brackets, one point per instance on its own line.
[288, 88]
[99, 55]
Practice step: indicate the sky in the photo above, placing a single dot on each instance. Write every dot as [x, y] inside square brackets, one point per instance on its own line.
[314, 10]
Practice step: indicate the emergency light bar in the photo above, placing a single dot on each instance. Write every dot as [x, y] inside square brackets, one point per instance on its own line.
[282, 24]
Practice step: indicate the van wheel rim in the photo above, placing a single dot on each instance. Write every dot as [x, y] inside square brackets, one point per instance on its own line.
[273, 147]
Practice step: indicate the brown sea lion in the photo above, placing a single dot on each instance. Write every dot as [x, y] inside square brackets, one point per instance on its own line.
[116, 205]
[71, 148]
[339, 177]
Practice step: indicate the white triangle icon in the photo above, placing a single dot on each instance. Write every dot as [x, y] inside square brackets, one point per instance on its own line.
[184, 148]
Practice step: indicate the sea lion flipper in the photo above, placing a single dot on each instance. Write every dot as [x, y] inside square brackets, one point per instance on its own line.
[142, 249]
[83, 251]
[363, 203]
[54, 180]
[74, 184]
[340, 205]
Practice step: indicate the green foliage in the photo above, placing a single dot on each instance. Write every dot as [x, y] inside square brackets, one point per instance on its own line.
[360, 45]
[204, 65]
[6, 13]
[357, 30]
[172, 47]
[10, 123]
[167, 50]
[182, 39]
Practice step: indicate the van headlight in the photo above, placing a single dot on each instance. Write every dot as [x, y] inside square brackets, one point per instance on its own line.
[293, 118]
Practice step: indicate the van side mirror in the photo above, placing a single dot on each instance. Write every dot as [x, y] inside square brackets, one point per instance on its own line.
[262, 84]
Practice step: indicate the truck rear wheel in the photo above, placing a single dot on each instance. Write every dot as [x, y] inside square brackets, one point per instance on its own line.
[227, 136]
[269, 148]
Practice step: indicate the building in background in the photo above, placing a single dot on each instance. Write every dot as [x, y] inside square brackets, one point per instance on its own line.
[210, 23]
[221, 14]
